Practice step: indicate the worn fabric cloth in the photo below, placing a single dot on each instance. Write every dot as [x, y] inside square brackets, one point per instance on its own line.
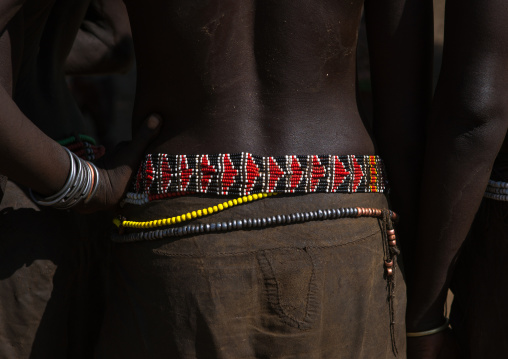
[306, 290]
[479, 310]
[52, 272]
[3, 183]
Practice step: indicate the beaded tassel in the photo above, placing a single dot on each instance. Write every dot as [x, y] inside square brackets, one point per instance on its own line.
[390, 263]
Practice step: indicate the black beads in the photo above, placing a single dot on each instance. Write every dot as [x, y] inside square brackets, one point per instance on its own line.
[263, 222]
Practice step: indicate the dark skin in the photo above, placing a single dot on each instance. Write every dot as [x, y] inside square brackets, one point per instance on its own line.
[467, 130]
[37, 106]
[106, 30]
[278, 77]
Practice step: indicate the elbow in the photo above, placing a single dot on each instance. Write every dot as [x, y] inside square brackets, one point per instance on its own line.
[482, 120]
[471, 102]
[490, 114]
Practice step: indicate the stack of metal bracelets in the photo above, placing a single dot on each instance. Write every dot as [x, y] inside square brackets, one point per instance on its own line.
[81, 185]
[497, 190]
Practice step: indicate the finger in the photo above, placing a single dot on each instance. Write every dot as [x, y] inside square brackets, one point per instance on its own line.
[147, 131]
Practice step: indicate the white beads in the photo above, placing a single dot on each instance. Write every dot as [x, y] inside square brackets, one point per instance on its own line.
[497, 190]
[136, 198]
[498, 184]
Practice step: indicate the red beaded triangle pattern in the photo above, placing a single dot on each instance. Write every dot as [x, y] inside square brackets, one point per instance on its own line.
[244, 174]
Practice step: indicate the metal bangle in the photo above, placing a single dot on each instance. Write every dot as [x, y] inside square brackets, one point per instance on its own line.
[57, 197]
[95, 183]
[82, 187]
[69, 200]
[81, 184]
[430, 331]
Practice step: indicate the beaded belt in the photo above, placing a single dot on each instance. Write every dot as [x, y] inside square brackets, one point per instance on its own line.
[497, 190]
[244, 174]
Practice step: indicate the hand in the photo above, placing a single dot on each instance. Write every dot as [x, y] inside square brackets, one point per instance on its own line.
[436, 346]
[116, 168]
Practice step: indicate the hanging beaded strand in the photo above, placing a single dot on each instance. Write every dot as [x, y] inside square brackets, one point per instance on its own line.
[78, 138]
[391, 252]
[191, 215]
[247, 223]
[84, 147]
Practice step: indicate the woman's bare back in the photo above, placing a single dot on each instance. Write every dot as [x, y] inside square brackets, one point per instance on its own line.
[267, 77]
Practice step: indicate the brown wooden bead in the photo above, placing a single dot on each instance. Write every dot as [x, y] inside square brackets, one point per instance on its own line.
[389, 271]
[392, 237]
[390, 231]
[389, 264]
[392, 243]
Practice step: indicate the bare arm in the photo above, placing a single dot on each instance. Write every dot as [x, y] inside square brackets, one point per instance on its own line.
[27, 155]
[15, 128]
[103, 43]
[400, 45]
[468, 125]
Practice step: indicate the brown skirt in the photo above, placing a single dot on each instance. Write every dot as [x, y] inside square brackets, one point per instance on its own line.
[306, 290]
[52, 276]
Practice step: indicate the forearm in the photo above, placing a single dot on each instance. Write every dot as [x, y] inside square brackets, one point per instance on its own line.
[27, 155]
[457, 169]
[468, 125]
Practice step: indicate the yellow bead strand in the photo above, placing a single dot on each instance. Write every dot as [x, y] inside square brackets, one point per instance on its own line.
[191, 215]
